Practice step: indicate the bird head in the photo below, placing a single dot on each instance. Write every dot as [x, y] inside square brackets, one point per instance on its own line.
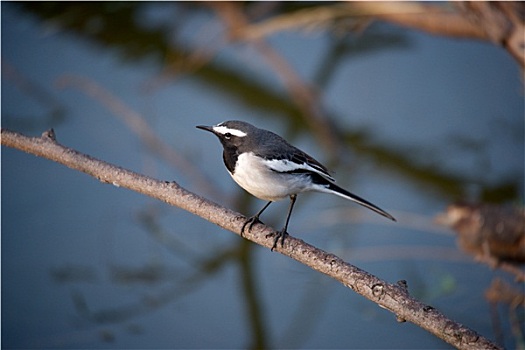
[232, 134]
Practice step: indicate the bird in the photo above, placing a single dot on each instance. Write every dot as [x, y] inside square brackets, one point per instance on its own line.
[269, 168]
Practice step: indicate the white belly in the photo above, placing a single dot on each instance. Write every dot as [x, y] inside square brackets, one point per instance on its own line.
[260, 181]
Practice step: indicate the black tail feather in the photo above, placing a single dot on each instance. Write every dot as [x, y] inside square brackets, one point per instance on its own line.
[333, 188]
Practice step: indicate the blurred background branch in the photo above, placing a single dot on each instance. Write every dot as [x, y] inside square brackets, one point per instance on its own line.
[501, 23]
[138, 124]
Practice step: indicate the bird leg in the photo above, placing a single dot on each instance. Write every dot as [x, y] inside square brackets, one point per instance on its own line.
[254, 219]
[284, 232]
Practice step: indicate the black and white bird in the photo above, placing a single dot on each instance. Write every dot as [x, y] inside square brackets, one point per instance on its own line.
[269, 168]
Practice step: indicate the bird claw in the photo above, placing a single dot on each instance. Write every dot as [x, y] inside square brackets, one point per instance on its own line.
[250, 222]
[278, 235]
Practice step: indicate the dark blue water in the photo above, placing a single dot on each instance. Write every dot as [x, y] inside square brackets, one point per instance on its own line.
[425, 121]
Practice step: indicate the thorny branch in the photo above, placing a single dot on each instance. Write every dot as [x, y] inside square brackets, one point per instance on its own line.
[392, 297]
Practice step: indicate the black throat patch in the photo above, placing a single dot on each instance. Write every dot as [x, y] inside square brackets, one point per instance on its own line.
[230, 156]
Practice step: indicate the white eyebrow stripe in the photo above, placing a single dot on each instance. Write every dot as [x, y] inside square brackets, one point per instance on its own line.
[221, 129]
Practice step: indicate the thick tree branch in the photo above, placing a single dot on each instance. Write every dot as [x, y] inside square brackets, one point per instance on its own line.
[393, 297]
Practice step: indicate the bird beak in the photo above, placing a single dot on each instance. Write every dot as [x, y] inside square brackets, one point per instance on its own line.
[207, 128]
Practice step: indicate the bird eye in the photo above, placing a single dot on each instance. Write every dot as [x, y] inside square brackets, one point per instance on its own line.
[228, 135]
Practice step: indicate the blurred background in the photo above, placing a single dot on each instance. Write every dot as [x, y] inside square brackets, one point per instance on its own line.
[410, 120]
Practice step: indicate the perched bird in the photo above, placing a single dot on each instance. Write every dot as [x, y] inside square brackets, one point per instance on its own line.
[269, 168]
